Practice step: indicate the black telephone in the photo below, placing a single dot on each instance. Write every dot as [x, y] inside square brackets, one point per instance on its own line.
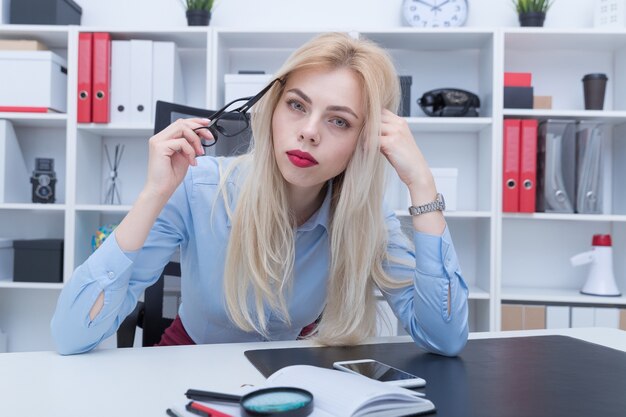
[449, 102]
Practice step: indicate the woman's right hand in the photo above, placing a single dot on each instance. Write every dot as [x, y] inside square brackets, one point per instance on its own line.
[171, 151]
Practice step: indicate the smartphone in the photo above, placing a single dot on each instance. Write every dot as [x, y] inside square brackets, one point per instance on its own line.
[381, 372]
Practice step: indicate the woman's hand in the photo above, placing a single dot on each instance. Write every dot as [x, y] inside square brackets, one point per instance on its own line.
[171, 151]
[399, 147]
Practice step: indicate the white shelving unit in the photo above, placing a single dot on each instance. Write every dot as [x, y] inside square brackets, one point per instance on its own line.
[534, 264]
[504, 257]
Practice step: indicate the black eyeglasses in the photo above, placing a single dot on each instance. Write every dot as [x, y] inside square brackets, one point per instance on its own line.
[232, 119]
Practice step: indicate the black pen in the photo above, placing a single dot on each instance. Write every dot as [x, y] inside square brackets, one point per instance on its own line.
[194, 394]
[173, 412]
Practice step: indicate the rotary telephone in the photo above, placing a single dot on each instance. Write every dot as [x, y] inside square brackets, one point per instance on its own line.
[449, 102]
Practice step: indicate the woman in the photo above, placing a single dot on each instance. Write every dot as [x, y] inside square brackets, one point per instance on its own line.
[271, 240]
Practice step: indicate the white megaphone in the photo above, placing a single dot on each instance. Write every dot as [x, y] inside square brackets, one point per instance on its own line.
[601, 280]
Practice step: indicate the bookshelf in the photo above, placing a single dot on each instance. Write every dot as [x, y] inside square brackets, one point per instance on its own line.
[504, 257]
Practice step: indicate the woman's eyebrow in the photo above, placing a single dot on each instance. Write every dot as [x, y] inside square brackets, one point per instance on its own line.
[332, 108]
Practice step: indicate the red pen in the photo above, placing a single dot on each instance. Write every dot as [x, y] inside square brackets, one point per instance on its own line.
[194, 407]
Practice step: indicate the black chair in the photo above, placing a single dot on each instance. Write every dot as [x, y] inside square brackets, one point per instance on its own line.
[148, 314]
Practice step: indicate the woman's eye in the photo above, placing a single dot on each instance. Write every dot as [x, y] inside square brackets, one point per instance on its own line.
[296, 105]
[340, 123]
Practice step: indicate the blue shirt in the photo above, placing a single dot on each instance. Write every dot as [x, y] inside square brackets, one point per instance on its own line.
[197, 222]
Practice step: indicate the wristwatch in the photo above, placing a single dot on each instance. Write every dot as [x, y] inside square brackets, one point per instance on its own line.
[438, 204]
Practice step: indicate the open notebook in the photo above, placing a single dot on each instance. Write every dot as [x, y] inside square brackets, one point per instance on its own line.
[340, 394]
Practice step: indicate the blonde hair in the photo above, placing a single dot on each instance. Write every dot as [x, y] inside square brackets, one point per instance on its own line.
[261, 251]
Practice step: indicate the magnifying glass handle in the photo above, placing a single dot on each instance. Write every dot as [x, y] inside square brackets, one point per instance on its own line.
[194, 394]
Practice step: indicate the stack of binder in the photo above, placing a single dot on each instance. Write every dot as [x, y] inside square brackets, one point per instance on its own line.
[119, 81]
[553, 166]
[520, 166]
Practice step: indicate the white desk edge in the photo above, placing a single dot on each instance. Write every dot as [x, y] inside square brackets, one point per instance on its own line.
[146, 381]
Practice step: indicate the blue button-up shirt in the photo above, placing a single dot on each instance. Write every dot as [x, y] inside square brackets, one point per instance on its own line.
[195, 219]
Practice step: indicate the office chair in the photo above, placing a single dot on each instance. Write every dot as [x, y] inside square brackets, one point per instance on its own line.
[148, 314]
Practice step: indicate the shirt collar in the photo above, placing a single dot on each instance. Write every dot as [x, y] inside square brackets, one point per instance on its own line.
[322, 216]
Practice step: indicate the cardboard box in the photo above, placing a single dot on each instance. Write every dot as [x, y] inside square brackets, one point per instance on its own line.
[33, 79]
[38, 260]
[244, 85]
[6, 259]
[542, 102]
[21, 45]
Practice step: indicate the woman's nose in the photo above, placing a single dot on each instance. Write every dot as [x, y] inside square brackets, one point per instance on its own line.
[310, 131]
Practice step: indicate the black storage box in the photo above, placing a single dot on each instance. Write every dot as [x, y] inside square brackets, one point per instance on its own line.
[45, 12]
[38, 260]
[518, 97]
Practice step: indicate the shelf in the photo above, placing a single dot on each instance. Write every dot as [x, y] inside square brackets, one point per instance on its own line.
[105, 208]
[557, 295]
[595, 39]
[612, 117]
[448, 124]
[32, 206]
[35, 119]
[261, 39]
[184, 37]
[32, 285]
[117, 130]
[431, 39]
[566, 217]
[477, 293]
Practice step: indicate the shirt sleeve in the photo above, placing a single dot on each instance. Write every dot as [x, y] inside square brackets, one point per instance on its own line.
[121, 276]
[422, 308]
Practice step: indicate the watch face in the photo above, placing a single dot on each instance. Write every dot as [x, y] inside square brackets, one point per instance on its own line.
[435, 13]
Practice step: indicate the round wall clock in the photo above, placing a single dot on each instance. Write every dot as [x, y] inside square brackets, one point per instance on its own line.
[435, 13]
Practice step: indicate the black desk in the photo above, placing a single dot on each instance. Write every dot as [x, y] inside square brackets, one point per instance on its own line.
[530, 376]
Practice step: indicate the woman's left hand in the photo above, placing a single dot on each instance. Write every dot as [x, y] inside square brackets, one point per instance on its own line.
[399, 147]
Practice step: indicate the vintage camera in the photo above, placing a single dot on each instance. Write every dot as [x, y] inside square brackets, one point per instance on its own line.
[43, 180]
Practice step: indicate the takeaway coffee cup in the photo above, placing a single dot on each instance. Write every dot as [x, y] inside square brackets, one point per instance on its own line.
[594, 86]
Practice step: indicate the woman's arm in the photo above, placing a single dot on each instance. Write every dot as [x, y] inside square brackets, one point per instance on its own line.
[108, 284]
[434, 311]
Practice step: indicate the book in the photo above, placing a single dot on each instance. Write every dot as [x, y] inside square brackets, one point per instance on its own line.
[338, 393]
[341, 394]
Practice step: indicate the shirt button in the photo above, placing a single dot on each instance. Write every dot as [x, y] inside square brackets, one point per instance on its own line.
[111, 274]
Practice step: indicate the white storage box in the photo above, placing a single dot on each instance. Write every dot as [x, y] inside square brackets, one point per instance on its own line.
[445, 181]
[6, 259]
[33, 79]
[244, 85]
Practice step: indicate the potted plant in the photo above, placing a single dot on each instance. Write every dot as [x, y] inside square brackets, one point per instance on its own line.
[532, 12]
[198, 12]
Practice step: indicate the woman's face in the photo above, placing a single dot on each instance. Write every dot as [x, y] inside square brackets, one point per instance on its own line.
[316, 125]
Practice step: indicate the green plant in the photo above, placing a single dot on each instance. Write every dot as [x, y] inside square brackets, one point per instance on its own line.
[199, 4]
[530, 6]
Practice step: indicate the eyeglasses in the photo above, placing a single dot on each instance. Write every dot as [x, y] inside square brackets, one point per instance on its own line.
[232, 119]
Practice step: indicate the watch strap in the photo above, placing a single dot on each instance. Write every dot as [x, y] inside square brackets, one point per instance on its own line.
[437, 205]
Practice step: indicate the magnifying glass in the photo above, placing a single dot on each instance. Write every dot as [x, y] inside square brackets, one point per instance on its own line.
[265, 402]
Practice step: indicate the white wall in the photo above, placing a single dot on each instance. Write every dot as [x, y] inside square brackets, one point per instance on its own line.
[316, 14]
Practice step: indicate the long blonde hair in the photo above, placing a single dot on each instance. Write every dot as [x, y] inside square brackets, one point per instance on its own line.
[261, 251]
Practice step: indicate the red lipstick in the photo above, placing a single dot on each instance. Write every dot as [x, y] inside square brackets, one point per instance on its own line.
[301, 159]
